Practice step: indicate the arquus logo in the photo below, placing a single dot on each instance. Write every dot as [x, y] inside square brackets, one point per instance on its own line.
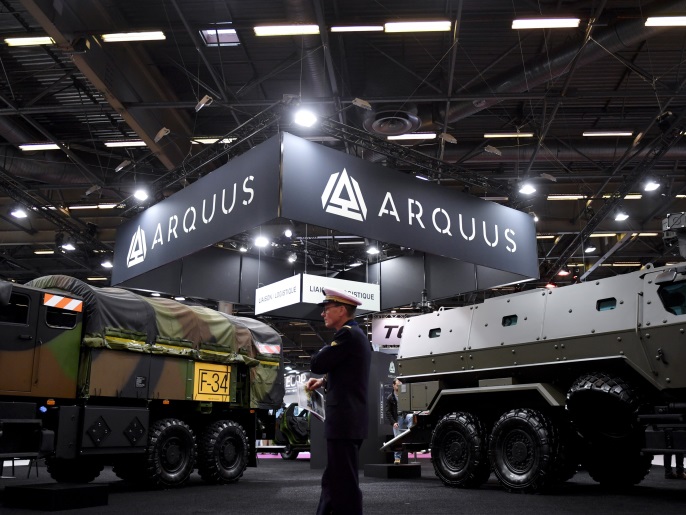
[342, 197]
[137, 248]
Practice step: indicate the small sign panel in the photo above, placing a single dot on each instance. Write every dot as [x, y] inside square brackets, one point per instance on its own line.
[277, 295]
[368, 294]
[212, 382]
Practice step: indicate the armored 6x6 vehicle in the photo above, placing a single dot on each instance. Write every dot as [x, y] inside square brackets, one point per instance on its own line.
[530, 385]
[94, 376]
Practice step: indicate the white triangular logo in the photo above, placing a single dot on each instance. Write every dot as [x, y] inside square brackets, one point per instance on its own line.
[137, 249]
[342, 196]
[391, 368]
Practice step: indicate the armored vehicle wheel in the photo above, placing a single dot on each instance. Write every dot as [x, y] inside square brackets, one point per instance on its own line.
[458, 450]
[170, 457]
[223, 452]
[523, 451]
[78, 470]
[604, 411]
[288, 453]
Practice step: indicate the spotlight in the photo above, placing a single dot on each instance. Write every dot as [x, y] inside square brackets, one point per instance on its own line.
[107, 264]
[161, 134]
[261, 241]
[534, 216]
[305, 118]
[288, 233]
[621, 216]
[141, 194]
[651, 185]
[590, 248]
[527, 188]
[19, 212]
[292, 257]
[204, 101]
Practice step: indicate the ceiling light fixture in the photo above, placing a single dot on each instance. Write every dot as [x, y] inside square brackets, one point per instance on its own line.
[651, 185]
[261, 241]
[96, 278]
[204, 101]
[141, 194]
[418, 26]
[527, 188]
[546, 23]
[30, 41]
[124, 143]
[305, 118]
[492, 150]
[609, 134]
[106, 264]
[122, 165]
[243, 248]
[362, 104]
[286, 30]
[288, 233]
[220, 37]
[19, 212]
[43, 252]
[292, 257]
[590, 248]
[448, 138]
[39, 146]
[534, 216]
[566, 197]
[358, 28]
[210, 141]
[180, 299]
[413, 136]
[154, 294]
[133, 36]
[489, 135]
[666, 21]
[621, 216]
[161, 134]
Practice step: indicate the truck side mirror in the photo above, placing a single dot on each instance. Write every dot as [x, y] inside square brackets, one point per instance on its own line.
[5, 292]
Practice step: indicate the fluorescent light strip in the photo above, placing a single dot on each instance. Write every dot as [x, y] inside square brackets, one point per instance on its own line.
[647, 234]
[628, 196]
[131, 143]
[133, 36]
[504, 199]
[545, 236]
[596, 134]
[96, 278]
[107, 206]
[30, 41]
[90, 206]
[546, 23]
[39, 146]
[286, 30]
[666, 21]
[509, 135]
[603, 235]
[418, 26]
[209, 141]
[43, 252]
[359, 28]
[413, 135]
[566, 197]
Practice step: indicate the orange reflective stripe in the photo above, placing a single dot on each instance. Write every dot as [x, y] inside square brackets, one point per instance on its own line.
[58, 301]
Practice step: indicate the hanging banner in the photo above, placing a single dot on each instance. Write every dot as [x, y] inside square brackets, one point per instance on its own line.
[278, 295]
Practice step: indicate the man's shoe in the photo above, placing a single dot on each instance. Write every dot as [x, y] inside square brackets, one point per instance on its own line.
[670, 475]
[396, 461]
[681, 475]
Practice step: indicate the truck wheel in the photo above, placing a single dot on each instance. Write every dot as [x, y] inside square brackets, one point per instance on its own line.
[223, 452]
[458, 451]
[604, 411]
[288, 453]
[78, 470]
[130, 468]
[523, 451]
[170, 457]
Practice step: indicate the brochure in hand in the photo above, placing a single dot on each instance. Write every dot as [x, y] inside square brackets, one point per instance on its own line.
[312, 401]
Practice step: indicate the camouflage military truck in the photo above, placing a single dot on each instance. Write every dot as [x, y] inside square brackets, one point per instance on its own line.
[95, 376]
[532, 384]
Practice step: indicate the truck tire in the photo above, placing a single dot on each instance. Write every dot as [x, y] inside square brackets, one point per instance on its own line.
[604, 411]
[78, 470]
[223, 452]
[170, 457]
[130, 468]
[288, 453]
[458, 451]
[523, 451]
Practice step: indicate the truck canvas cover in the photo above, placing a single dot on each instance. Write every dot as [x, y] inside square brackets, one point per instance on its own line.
[122, 320]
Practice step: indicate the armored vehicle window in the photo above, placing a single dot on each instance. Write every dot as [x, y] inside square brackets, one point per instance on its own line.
[434, 333]
[62, 318]
[606, 304]
[17, 311]
[673, 297]
[509, 320]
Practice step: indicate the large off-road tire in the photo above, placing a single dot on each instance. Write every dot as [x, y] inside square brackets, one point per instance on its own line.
[223, 452]
[79, 470]
[170, 457]
[459, 451]
[288, 453]
[523, 451]
[604, 411]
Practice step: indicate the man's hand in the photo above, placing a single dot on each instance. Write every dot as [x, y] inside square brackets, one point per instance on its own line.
[395, 426]
[313, 384]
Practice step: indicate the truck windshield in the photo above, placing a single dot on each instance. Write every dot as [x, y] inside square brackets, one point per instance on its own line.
[673, 297]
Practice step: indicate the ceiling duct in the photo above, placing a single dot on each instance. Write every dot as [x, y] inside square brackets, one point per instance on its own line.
[550, 66]
[313, 65]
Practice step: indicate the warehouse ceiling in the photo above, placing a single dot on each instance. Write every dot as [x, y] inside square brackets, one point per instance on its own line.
[611, 73]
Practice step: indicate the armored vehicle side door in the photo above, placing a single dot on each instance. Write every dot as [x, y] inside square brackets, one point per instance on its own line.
[18, 321]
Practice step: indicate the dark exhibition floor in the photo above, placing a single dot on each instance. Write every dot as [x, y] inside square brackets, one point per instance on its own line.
[281, 487]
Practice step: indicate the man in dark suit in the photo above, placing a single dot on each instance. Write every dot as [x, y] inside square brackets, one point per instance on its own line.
[345, 361]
